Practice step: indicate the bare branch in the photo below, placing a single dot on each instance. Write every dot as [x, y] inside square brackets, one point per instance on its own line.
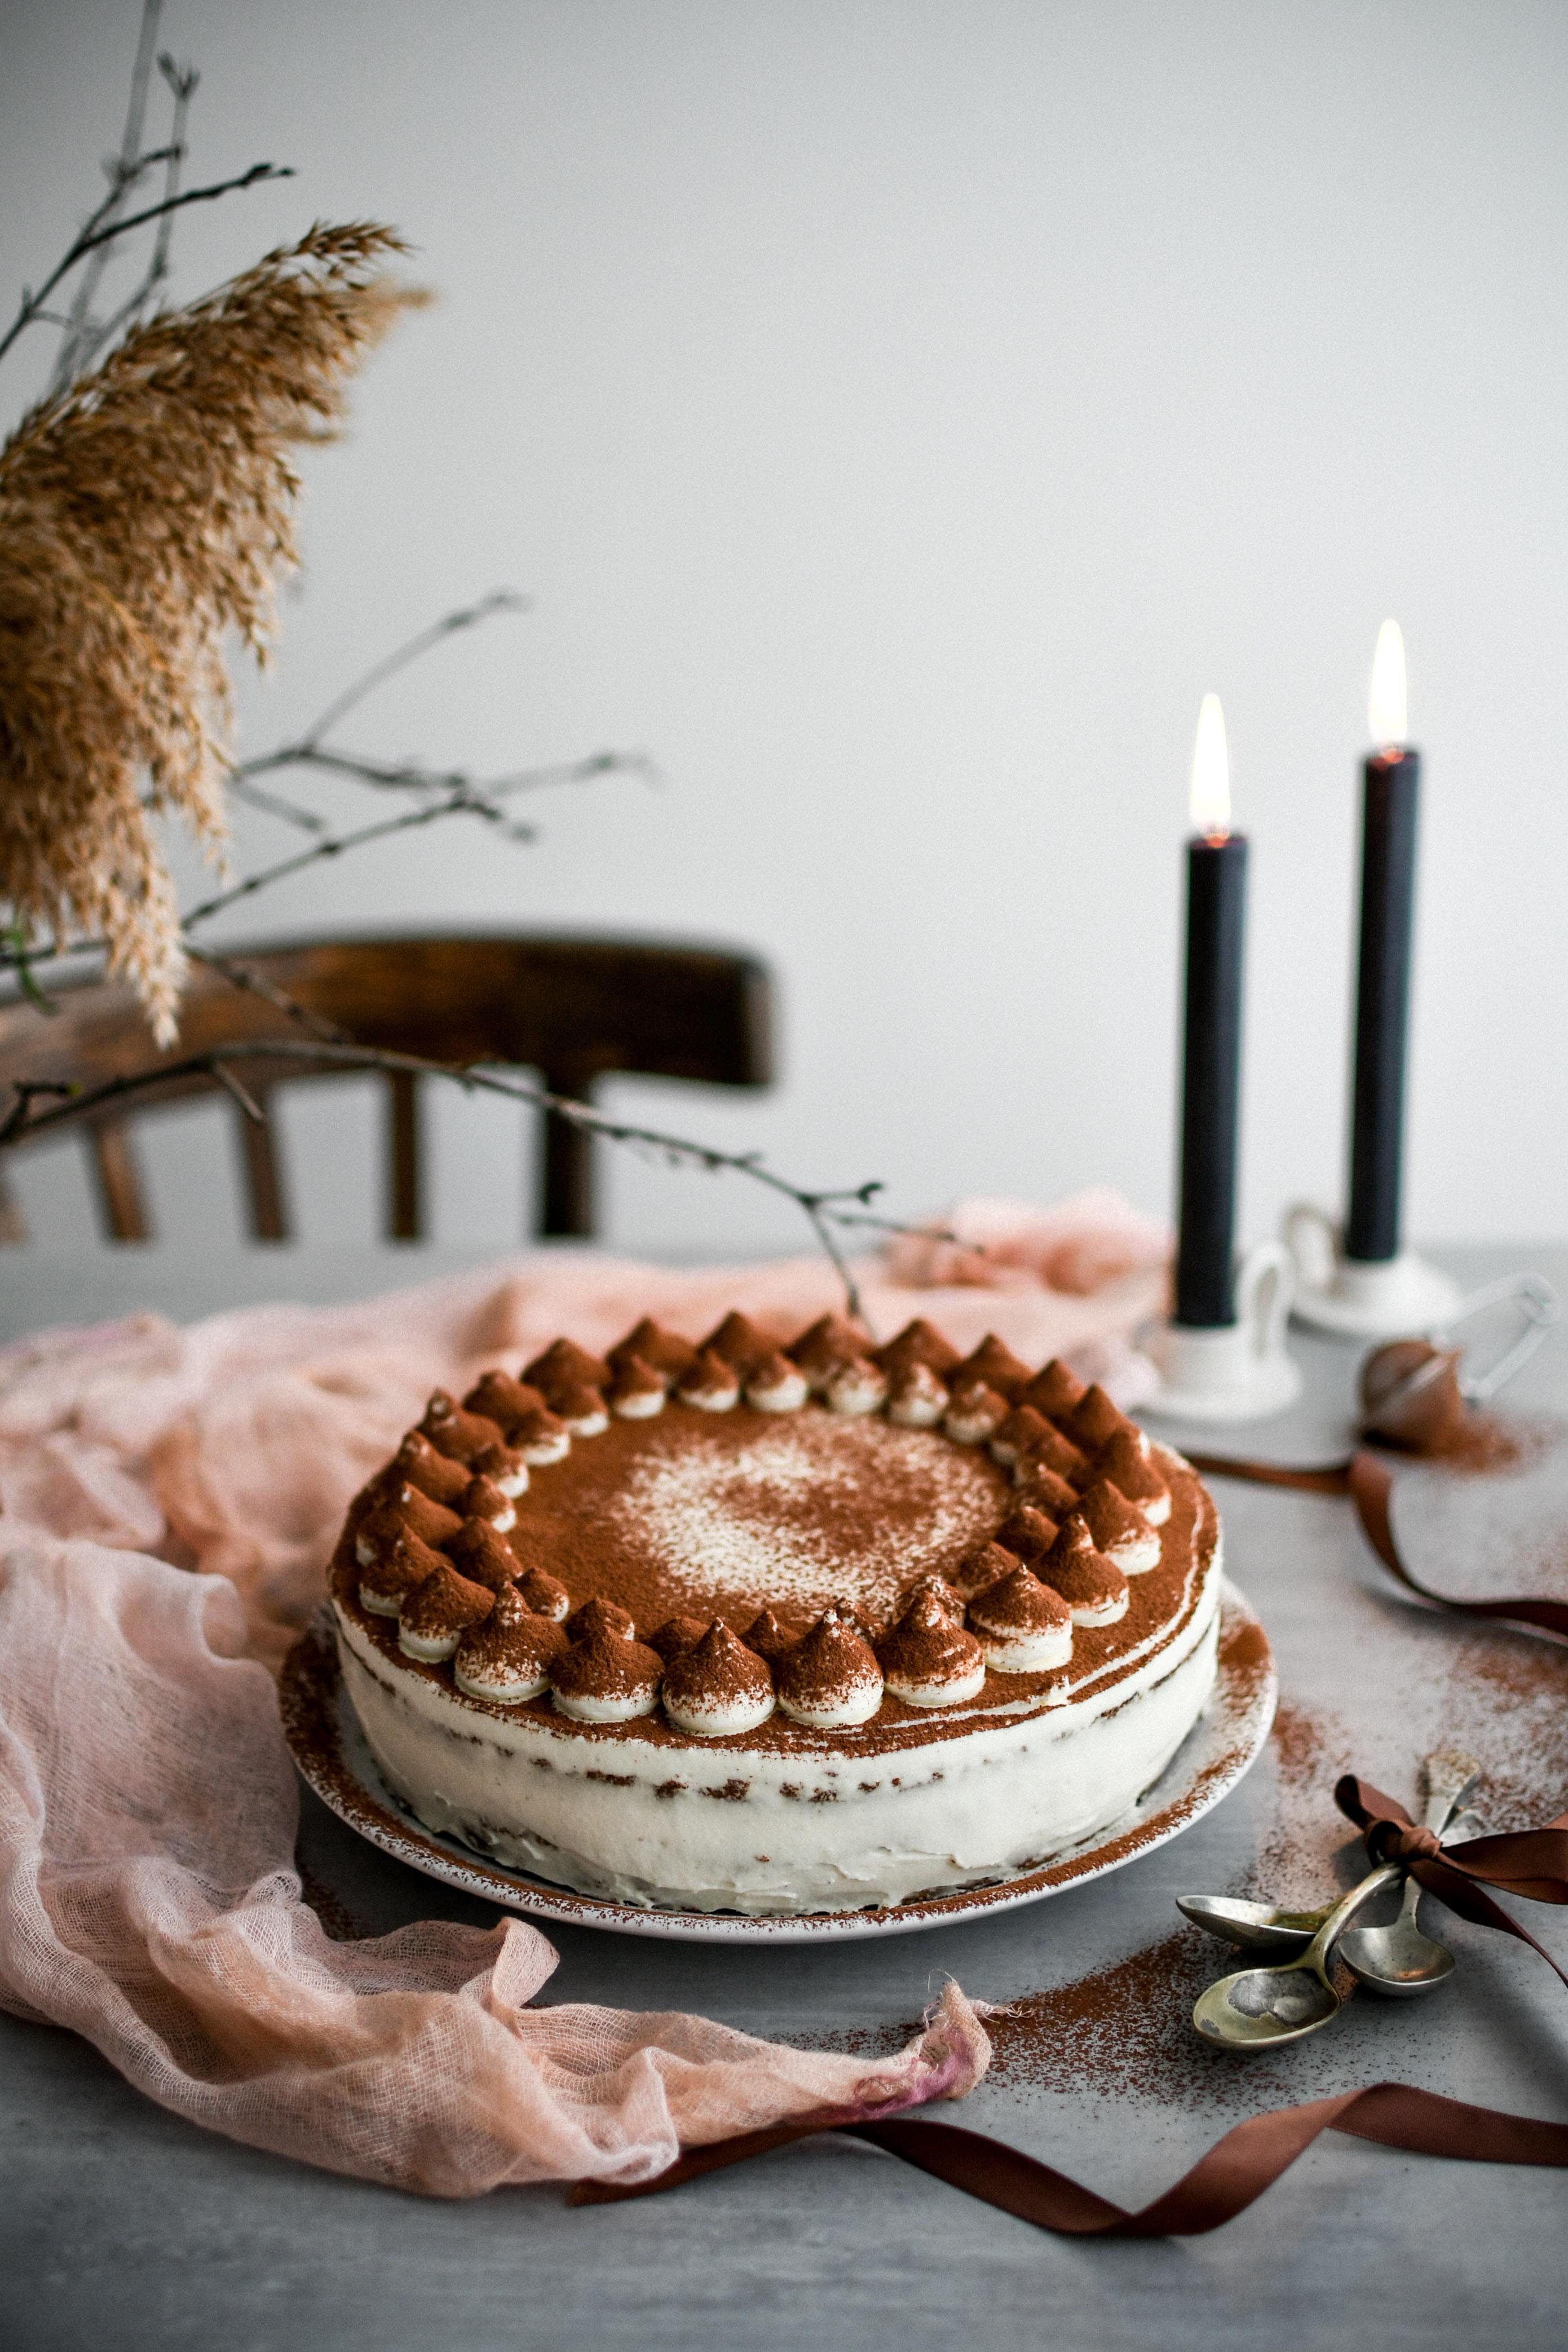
[96, 235]
[123, 174]
[94, 337]
[499, 600]
[251, 982]
[246, 1099]
[333, 846]
[410, 775]
[824, 1211]
[293, 812]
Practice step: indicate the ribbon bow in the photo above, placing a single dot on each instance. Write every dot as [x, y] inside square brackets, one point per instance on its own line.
[1530, 1863]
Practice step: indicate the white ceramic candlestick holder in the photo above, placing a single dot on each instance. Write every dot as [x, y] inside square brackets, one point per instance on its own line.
[1360, 1299]
[1235, 1371]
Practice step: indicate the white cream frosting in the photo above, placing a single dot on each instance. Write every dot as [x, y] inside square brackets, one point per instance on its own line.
[431, 1647]
[918, 1400]
[970, 1422]
[1106, 1613]
[554, 1445]
[507, 1691]
[953, 1692]
[591, 1423]
[855, 1388]
[638, 1404]
[1027, 1654]
[721, 1718]
[842, 1713]
[1134, 1554]
[622, 1706]
[785, 1395]
[712, 1400]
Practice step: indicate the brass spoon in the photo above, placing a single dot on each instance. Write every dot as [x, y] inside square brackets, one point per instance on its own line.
[1398, 1959]
[1254, 1927]
[1270, 1927]
[1260, 2008]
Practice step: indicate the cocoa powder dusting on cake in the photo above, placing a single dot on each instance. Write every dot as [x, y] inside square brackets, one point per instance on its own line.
[565, 1365]
[502, 1400]
[919, 1342]
[596, 1617]
[1028, 1532]
[1055, 1391]
[738, 1342]
[771, 1511]
[650, 1344]
[765, 1519]
[716, 1670]
[483, 1555]
[675, 1634]
[603, 1665]
[993, 1365]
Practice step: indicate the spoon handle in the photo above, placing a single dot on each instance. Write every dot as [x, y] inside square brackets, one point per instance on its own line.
[1344, 1910]
[1450, 1777]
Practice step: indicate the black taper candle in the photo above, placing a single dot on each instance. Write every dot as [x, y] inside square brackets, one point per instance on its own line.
[1211, 1080]
[1391, 789]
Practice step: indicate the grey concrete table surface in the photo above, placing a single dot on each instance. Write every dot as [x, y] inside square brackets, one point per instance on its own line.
[121, 2226]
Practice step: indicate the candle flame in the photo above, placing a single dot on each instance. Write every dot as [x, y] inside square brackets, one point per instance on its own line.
[1386, 704]
[1210, 801]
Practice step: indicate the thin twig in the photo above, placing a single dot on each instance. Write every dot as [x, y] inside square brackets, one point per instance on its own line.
[825, 1210]
[499, 600]
[412, 776]
[93, 337]
[242, 1095]
[334, 846]
[293, 812]
[123, 174]
[93, 237]
[250, 983]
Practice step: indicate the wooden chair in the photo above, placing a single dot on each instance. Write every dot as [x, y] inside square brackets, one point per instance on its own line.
[573, 1010]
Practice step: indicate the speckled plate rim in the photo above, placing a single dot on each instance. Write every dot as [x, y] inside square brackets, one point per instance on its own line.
[333, 1758]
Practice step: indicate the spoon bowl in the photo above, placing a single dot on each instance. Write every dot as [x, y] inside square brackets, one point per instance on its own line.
[1258, 2008]
[1398, 1960]
[1254, 1927]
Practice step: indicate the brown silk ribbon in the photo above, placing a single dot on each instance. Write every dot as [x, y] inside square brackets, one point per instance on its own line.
[1369, 1483]
[1248, 2160]
[1233, 2174]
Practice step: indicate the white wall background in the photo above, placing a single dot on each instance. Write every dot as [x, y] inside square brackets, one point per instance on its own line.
[902, 414]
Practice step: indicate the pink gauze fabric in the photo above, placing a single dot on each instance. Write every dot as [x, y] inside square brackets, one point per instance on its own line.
[148, 1803]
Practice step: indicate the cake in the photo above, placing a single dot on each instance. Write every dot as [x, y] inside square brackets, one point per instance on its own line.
[775, 1626]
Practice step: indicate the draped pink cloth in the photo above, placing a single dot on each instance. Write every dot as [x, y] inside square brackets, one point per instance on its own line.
[148, 1803]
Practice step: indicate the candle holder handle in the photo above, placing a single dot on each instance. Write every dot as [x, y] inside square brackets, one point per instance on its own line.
[1240, 1371]
[1265, 1286]
[1361, 1299]
[1316, 1244]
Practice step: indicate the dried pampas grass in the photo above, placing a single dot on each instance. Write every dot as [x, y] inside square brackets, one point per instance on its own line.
[145, 512]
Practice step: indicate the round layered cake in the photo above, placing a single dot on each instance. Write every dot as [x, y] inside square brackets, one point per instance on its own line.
[738, 1625]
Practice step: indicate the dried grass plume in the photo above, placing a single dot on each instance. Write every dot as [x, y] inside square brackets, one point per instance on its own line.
[145, 512]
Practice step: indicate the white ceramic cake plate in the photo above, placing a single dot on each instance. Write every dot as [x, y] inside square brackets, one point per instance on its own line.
[331, 1751]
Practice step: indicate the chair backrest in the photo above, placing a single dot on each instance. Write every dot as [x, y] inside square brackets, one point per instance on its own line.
[572, 1009]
